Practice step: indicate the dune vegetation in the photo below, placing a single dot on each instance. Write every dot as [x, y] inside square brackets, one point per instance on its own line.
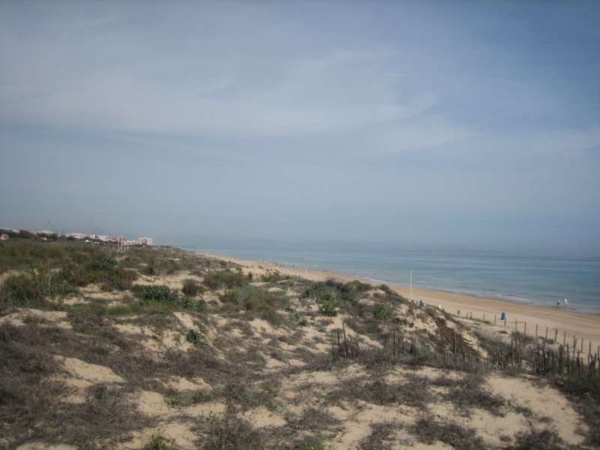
[158, 348]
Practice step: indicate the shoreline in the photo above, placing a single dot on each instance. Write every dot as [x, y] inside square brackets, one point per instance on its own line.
[563, 323]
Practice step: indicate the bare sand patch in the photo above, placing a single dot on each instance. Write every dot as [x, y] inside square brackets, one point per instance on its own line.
[89, 372]
[358, 424]
[57, 319]
[186, 320]
[176, 433]
[45, 446]
[152, 404]
[544, 401]
[261, 417]
[205, 409]
[183, 384]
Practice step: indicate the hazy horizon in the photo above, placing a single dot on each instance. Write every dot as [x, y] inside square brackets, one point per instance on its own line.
[419, 124]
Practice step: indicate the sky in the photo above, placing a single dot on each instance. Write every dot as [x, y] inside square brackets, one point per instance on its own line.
[438, 124]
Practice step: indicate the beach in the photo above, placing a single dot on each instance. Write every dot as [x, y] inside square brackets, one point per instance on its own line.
[563, 323]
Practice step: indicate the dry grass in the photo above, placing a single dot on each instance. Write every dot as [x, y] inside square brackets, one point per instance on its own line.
[229, 433]
[245, 368]
[428, 430]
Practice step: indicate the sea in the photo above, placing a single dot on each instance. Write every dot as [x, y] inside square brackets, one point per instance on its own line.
[528, 279]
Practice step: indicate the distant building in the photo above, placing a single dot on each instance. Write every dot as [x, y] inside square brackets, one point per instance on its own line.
[3, 237]
[146, 241]
[77, 236]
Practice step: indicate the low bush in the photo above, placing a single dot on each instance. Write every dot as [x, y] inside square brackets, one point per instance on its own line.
[231, 433]
[225, 278]
[156, 293]
[471, 395]
[255, 300]
[537, 440]
[158, 442]
[192, 336]
[428, 431]
[33, 290]
[21, 290]
[382, 312]
[191, 288]
[328, 308]
[274, 277]
[310, 443]
[102, 270]
[381, 434]
[173, 397]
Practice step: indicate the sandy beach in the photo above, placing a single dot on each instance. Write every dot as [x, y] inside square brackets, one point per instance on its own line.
[565, 324]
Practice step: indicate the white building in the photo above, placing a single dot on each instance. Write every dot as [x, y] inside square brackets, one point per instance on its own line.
[76, 235]
[146, 241]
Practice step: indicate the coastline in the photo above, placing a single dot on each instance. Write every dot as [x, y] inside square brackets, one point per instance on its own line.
[564, 323]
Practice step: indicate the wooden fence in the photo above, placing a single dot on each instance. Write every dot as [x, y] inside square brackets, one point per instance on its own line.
[546, 334]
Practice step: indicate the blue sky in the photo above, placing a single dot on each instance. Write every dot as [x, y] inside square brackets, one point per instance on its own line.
[459, 124]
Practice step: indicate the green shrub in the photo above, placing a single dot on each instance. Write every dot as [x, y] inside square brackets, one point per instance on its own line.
[33, 290]
[385, 288]
[328, 308]
[120, 279]
[225, 278]
[101, 264]
[173, 397]
[22, 290]
[191, 288]
[310, 443]
[155, 293]
[382, 312]
[337, 290]
[102, 270]
[194, 305]
[319, 291]
[255, 300]
[159, 443]
[231, 433]
[192, 336]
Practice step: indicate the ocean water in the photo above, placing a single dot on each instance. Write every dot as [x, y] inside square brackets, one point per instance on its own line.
[536, 280]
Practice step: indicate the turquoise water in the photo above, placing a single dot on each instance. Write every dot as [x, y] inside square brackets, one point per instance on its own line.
[520, 278]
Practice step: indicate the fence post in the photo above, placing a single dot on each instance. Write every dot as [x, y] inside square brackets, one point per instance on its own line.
[525, 329]
[555, 334]
[546, 333]
[564, 337]
[494, 319]
[581, 349]
[590, 348]
[516, 325]
[536, 330]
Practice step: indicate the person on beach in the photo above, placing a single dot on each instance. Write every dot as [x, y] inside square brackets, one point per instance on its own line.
[566, 302]
[558, 303]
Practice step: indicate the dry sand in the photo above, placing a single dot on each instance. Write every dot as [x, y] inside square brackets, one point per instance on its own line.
[584, 326]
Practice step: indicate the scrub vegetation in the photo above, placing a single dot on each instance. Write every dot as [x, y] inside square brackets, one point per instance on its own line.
[157, 348]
